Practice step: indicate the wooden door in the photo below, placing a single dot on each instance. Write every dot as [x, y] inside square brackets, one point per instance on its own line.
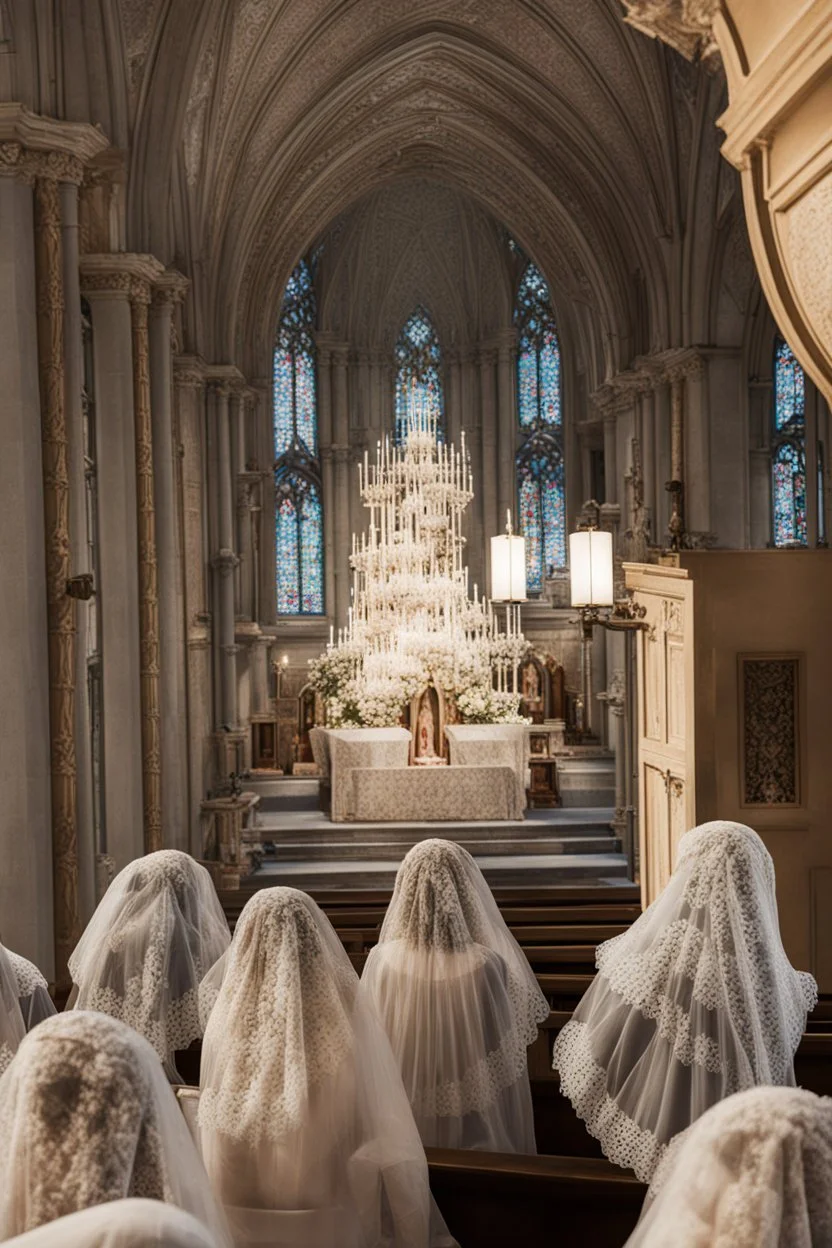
[666, 759]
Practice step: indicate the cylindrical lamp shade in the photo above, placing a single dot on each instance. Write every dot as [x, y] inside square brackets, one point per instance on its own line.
[590, 568]
[508, 568]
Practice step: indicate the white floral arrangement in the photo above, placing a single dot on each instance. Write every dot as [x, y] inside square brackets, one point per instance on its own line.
[480, 704]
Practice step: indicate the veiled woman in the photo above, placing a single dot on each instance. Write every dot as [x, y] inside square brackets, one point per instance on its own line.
[695, 1001]
[755, 1171]
[132, 1223]
[32, 989]
[302, 1120]
[155, 933]
[87, 1116]
[459, 1002]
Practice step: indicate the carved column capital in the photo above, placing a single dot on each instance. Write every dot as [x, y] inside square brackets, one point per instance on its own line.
[34, 147]
[189, 371]
[169, 289]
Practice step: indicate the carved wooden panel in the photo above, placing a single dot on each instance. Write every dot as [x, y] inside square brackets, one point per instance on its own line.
[769, 692]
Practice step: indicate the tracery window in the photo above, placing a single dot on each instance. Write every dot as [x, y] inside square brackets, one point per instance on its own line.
[788, 449]
[297, 475]
[540, 468]
[418, 372]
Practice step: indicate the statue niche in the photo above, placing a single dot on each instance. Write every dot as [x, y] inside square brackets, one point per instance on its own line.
[534, 680]
[310, 715]
[427, 726]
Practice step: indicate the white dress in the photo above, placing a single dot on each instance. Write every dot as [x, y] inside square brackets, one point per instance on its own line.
[755, 1171]
[87, 1116]
[302, 1121]
[459, 1002]
[157, 930]
[120, 1224]
[697, 1000]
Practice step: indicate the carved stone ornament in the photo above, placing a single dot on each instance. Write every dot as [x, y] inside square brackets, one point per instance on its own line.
[687, 25]
[33, 147]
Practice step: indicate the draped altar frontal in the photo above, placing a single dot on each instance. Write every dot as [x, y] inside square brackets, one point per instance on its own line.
[372, 782]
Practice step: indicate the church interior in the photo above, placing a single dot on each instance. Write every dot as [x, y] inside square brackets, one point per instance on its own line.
[416, 496]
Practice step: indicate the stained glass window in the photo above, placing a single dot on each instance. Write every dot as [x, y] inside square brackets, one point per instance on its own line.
[540, 470]
[298, 509]
[418, 372]
[788, 451]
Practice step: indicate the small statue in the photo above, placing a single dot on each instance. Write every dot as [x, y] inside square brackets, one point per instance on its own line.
[425, 728]
[236, 782]
[531, 683]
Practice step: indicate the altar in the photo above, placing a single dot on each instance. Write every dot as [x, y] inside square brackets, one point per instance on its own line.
[372, 782]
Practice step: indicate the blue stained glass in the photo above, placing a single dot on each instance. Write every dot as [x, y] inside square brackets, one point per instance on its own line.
[299, 546]
[531, 527]
[418, 372]
[294, 365]
[788, 455]
[538, 362]
[789, 389]
[298, 511]
[789, 495]
[540, 474]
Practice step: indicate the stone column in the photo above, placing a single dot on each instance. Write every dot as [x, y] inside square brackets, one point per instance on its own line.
[648, 458]
[327, 474]
[79, 547]
[696, 458]
[488, 486]
[169, 289]
[59, 605]
[663, 466]
[25, 829]
[106, 282]
[676, 524]
[507, 427]
[610, 458]
[224, 562]
[148, 578]
[341, 433]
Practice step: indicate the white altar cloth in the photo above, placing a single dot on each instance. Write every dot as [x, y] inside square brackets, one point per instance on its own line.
[491, 745]
[428, 794]
[343, 749]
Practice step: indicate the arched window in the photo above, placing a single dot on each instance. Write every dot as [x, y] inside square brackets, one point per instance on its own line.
[540, 473]
[297, 477]
[788, 449]
[418, 372]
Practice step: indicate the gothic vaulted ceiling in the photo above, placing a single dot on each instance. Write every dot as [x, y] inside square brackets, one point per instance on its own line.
[251, 125]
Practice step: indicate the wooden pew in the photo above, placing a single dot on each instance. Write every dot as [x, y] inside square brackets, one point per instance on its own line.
[498, 1200]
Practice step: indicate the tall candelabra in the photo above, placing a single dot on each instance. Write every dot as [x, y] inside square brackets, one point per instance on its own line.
[413, 620]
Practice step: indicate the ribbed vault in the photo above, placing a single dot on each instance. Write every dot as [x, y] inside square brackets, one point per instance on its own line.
[267, 121]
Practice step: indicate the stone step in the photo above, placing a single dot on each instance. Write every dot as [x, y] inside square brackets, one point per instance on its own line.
[586, 782]
[532, 872]
[578, 821]
[283, 788]
[383, 847]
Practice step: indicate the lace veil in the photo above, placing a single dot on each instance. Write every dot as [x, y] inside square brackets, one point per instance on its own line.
[459, 1001]
[302, 1119]
[120, 1224]
[157, 930]
[87, 1116]
[753, 1172]
[697, 1000]
[12, 1026]
[32, 990]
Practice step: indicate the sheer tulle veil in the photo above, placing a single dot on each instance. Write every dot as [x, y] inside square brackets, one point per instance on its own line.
[755, 1171]
[12, 1028]
[459, 1001]
[302, 1120]
[695, 1001]
[157, 930]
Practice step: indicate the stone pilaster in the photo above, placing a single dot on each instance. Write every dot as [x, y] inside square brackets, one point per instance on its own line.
[169, 289]
[41, 153]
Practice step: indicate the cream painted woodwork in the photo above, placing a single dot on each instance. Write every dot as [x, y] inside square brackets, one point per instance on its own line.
[666, 753]
[756, 604]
